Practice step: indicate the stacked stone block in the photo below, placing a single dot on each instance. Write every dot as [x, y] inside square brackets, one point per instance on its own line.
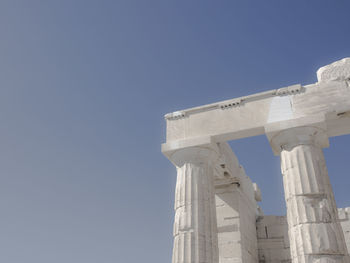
[273, 239]
[236, 218]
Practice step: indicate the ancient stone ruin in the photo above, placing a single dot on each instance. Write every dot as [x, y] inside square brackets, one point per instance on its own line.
[217, 218]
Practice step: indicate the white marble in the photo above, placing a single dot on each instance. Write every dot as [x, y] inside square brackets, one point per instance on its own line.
[314, 230]
[273, 239]
[236, 210]
[344, 219]
[247, 116]
[216, 202]
[195, 234]
[339, 70]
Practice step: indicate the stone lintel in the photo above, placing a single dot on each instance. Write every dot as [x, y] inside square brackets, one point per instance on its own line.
[248, 116]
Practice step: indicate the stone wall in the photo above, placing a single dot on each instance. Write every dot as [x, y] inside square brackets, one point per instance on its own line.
[273, 241]
[236, 211]
[236, 232]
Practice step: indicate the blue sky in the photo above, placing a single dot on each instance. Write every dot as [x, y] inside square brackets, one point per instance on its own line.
[84, 86]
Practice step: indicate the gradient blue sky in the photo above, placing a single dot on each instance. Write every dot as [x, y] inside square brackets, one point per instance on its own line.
[84, 86]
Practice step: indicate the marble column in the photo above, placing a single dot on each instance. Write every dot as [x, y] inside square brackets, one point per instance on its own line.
[195, 228]
[314, 230]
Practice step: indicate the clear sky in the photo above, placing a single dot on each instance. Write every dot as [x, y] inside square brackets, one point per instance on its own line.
[84, 86]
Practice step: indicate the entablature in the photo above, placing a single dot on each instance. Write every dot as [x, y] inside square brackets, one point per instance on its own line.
[249, 115]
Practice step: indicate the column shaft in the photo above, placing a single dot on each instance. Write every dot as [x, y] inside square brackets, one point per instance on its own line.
[314, 229]
[195, 233]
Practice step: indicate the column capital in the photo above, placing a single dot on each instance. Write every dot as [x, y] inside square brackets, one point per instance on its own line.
[286, 135]
[197, 151]
[196, 155]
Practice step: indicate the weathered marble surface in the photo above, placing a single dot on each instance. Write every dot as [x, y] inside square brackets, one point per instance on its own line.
[195, 227]
[247, 116]
[339, 70]
[344, 219]
[273, 240]
[236, 211]
[215, 202]
[314, 230]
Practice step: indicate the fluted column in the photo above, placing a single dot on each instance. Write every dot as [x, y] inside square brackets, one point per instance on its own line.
[195, 228]
[314, 230]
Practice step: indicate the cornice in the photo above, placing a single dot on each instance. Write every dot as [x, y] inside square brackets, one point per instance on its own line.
[237, 102]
